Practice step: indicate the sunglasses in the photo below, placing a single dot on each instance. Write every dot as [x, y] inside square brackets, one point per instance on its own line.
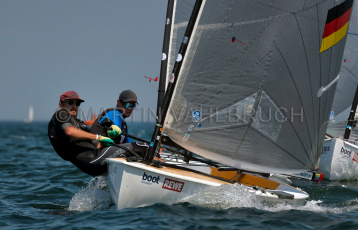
[70, 102]
[129, 105]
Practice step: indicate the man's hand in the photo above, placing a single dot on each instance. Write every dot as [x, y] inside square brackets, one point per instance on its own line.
[105, 141]
[114, 131]
[158, 159]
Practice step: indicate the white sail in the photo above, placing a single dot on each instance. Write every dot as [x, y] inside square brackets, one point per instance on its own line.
[260, 64]
[348, 76]
[181, 15]
[31, 115]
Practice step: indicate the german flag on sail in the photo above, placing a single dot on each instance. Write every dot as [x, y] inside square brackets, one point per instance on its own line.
[336, 24]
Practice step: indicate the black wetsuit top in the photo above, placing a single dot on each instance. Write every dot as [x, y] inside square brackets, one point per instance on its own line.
[67, 148]
[83, 153]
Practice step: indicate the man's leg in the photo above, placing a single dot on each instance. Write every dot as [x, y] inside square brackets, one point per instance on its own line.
[98, 165]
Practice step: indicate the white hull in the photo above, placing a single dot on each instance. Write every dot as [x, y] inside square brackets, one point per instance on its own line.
[134, 184]
[339, 160]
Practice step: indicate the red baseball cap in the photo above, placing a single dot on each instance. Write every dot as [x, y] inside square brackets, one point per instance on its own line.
[70, 95]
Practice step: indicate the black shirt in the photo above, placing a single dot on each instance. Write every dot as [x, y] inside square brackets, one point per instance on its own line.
[67, 148]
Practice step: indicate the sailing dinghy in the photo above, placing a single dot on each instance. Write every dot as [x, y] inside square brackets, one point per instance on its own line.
[241, 91]
[339, 159]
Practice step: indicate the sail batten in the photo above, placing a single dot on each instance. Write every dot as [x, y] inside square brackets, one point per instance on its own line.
[246, 94]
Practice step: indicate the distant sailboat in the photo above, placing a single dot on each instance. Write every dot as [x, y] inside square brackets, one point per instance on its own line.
[31, 115]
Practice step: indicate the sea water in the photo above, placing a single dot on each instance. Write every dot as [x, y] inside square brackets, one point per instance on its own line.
[39, 190]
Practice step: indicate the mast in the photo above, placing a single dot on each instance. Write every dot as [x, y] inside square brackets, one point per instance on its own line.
[165, 57]
[351, 116]
[172, 83]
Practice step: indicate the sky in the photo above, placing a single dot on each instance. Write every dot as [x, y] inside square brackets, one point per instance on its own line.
[96, 48]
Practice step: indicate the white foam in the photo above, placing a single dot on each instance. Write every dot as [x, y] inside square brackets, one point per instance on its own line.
[94, 197]
[17, 137]
[225, 196]
[318, 207]
[238, 196]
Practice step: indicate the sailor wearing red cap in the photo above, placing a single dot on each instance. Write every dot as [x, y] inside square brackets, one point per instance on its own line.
[73, 142]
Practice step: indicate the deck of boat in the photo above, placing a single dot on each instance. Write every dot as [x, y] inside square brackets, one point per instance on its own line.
[181, 172]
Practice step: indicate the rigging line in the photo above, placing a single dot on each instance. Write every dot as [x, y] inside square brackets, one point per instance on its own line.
[299, 96]
[353, 34]
[217, 48]
[309, 73]
[237, 175]
[153, 86]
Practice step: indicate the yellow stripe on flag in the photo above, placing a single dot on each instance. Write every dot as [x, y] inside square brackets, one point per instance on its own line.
[334, 38]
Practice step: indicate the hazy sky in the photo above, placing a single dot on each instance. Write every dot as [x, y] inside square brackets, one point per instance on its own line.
[97, 48]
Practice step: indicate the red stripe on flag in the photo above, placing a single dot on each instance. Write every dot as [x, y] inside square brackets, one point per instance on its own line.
[337, 24]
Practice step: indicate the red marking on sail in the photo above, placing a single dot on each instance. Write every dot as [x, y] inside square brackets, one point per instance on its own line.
[345, 60]
[234, 40]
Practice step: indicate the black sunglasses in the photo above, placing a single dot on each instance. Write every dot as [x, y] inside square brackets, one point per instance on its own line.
[128, 105]
[70, 102]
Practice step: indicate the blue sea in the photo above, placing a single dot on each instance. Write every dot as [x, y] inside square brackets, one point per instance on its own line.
[39, 190]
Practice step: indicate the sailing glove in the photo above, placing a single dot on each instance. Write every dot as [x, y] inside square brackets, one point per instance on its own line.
[114, 131]
[105, 141]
